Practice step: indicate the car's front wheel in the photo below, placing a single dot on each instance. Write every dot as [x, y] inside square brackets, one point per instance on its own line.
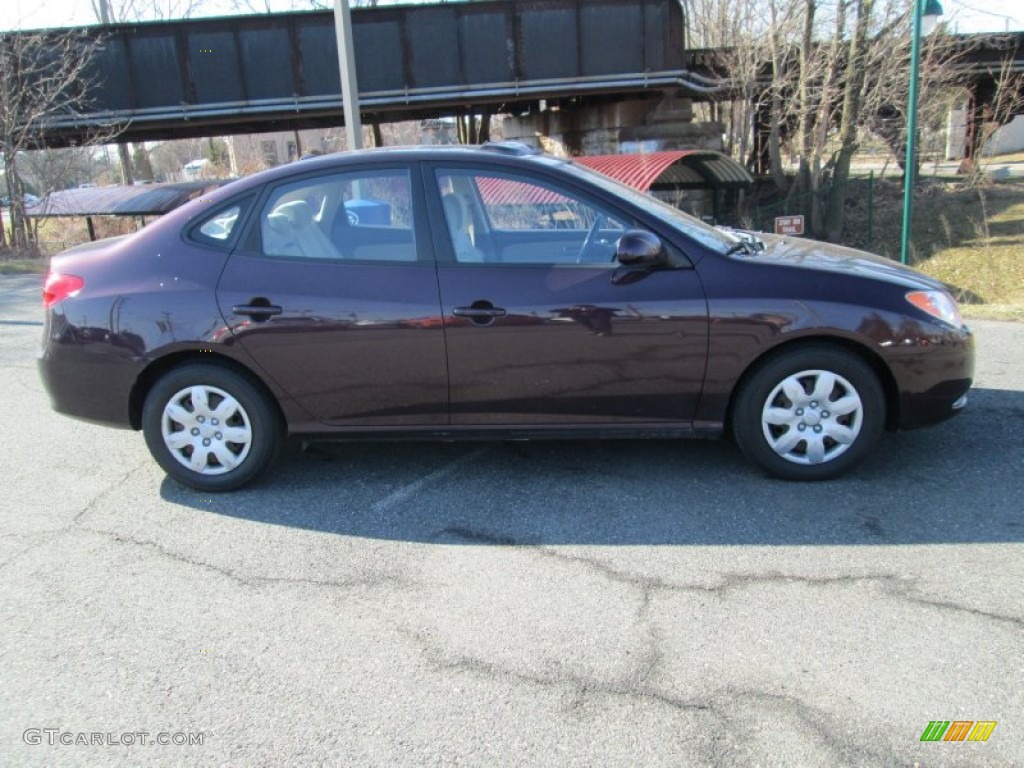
[810, 413]
[210, 428]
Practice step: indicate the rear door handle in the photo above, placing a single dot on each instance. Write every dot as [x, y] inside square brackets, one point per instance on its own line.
[478, 312]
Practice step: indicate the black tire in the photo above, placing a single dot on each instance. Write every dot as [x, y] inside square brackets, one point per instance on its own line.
[255, 422]
[826, 444]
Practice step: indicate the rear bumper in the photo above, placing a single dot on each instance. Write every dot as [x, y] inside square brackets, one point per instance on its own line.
[91, 381]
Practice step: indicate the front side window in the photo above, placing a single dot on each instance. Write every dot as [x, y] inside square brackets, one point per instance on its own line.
[364, 216]
[710, 237]
[509, 219]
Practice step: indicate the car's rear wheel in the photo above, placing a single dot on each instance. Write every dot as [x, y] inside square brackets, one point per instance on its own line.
[211, 428]
[811, 413]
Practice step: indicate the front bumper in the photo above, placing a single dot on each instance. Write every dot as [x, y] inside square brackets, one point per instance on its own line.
[933, 376]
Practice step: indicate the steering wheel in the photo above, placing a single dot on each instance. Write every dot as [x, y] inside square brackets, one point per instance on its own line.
[591, 237]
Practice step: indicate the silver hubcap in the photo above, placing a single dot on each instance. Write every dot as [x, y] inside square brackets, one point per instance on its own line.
[206, 430]
[812, 417]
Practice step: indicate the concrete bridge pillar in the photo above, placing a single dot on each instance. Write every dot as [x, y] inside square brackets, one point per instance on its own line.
[980, 123]
[635, 125]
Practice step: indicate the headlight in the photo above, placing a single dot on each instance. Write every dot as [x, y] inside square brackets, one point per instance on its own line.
[938, 304]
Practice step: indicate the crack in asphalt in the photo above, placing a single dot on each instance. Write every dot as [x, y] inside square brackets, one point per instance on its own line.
[893, 585]
[721, 704]
[395, 498]
[65, 529]
[728, 581]
[825, 728]
[104, 493]
[251, 580]
[580, 685]
[945, 605]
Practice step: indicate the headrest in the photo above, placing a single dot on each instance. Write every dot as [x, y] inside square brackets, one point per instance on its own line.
[299, 213]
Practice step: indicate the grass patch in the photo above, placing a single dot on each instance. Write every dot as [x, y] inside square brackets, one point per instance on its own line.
[15, 263]
[971, 238]
[1012, 157]
[22, 266]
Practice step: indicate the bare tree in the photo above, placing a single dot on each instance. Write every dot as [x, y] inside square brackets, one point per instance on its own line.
[52, 169]
[283, 6]
[119, 11]
[817, 74]
[169, 157]
[42, 77]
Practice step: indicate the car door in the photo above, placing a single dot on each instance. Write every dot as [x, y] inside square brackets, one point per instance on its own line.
[335, 297]
[542, 325]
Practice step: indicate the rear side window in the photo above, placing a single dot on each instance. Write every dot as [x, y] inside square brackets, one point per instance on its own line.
[355, 216]
[221, 227]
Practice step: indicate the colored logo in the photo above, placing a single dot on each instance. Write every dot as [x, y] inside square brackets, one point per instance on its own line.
[958, 730]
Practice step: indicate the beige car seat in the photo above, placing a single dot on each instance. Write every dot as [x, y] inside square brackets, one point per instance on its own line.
[291, 230]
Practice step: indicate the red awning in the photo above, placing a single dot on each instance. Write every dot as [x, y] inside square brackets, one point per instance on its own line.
[638, 171]
[687, 166]
[495, 190]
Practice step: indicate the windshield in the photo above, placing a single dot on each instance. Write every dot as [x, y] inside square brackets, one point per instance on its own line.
[705, 234]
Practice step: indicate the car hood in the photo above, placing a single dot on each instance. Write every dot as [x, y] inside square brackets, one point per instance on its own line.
[837, 259]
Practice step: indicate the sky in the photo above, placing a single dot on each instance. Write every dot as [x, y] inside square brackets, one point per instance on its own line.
[962, 15]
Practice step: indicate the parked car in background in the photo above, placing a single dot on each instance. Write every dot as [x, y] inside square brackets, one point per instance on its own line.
[455, 293]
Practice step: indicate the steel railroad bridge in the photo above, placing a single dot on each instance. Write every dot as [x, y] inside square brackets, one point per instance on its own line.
[240, 74]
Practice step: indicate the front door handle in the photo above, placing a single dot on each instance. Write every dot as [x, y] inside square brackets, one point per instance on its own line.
[257, 310]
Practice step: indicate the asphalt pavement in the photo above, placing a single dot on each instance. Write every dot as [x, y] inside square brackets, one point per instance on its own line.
[633, 603]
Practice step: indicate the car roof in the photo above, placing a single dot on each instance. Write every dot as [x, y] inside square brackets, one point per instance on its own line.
[512, 153]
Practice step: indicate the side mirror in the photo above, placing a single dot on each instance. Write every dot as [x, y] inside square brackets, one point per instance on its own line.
[640, 248]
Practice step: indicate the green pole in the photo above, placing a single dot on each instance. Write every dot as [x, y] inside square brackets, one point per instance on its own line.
[871, 208]
[910, 167]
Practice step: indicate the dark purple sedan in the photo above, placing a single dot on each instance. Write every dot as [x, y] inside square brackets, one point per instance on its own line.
[491, 292]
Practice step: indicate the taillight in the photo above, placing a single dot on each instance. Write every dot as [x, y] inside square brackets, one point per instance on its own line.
[59, 287]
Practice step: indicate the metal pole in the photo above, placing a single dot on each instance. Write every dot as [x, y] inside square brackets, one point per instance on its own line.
[347, 63]
[871, 208]
[910, 167]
